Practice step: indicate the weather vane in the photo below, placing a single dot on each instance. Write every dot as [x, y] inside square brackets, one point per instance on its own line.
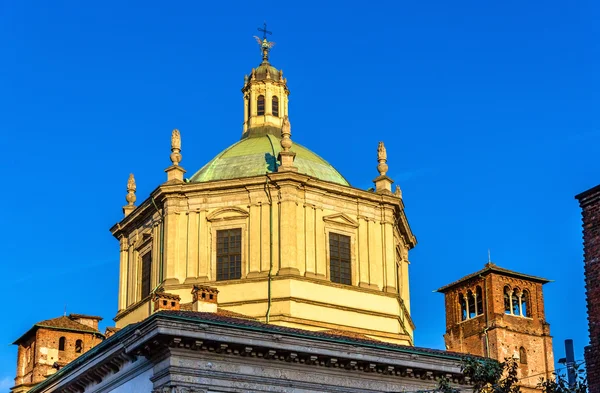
[264, 44]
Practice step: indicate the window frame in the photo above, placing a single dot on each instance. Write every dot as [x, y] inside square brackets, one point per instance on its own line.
[479, 303]
[462, 305]
[142, 248]
[517, 297]
[264, 105]
[526, 300]
[62, 344]
[345, 230]
[340, 261]
[218, 223]
[274, 101]
[231, 232]
[522, 355]
[79, 346]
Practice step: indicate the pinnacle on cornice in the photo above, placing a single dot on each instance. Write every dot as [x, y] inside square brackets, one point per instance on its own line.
[175, 172]
[383, 184]
[286, 156]
[175, 147]
[130, 197]
[382, 159]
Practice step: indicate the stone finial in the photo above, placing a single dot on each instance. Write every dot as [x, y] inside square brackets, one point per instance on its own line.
[398, 192]
[286, 133]
[130, 198]
[268, 73]
[281, 75]
[383, 184]
[253, 74]
[175, 172]
[286, 156]
[175, 147]
[382, 158]
[245, 80]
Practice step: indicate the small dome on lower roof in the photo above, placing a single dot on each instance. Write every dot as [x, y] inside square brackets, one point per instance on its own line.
[257, 155]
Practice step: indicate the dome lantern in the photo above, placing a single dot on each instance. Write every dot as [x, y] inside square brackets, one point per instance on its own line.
[265, 95]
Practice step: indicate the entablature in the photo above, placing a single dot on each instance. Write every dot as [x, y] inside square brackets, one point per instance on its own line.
[181, 197]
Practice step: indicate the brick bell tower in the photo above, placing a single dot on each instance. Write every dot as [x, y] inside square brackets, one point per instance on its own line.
[499, 313]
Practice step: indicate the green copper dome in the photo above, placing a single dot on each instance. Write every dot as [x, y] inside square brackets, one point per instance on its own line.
[257, 155]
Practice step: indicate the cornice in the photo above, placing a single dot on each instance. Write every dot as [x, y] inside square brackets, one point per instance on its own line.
[164, 333]
[190, 336]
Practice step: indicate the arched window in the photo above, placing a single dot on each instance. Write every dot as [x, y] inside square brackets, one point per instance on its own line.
[525, 304]
[471, 303]
[507, 300]
[522, 356]
[260, 105]
[275, 105]
[61, 343]
[516, 307]
[463, 307]
[78, 346]
[479, 295]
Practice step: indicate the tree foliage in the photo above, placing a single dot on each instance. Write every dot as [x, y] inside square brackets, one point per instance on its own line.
[561, 385]
[490, 376]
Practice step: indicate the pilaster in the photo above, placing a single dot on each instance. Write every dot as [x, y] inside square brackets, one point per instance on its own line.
[204, 241]
[375, 256]
[254, 233]
[123, 267]
[363, 252]
[287, 229]
[310, 234]
[390, 253]
[192, 247]
[172, 266]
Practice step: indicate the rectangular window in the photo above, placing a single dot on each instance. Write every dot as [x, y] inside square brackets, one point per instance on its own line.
[229, 254]
[146, 268]
[275, 105]
[260, 106]
[339, 259]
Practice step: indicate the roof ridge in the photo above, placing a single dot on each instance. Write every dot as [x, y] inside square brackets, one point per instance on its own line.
[46, 323]
[491, 267]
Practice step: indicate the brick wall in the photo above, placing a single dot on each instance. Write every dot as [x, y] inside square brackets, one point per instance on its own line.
[47, 350]
[38, 353]
[506, 334]
[590, 205]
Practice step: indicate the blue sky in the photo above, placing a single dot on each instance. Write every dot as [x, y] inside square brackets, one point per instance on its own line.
[486, 109]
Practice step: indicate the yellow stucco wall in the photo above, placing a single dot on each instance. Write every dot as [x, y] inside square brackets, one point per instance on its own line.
[303, 212]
